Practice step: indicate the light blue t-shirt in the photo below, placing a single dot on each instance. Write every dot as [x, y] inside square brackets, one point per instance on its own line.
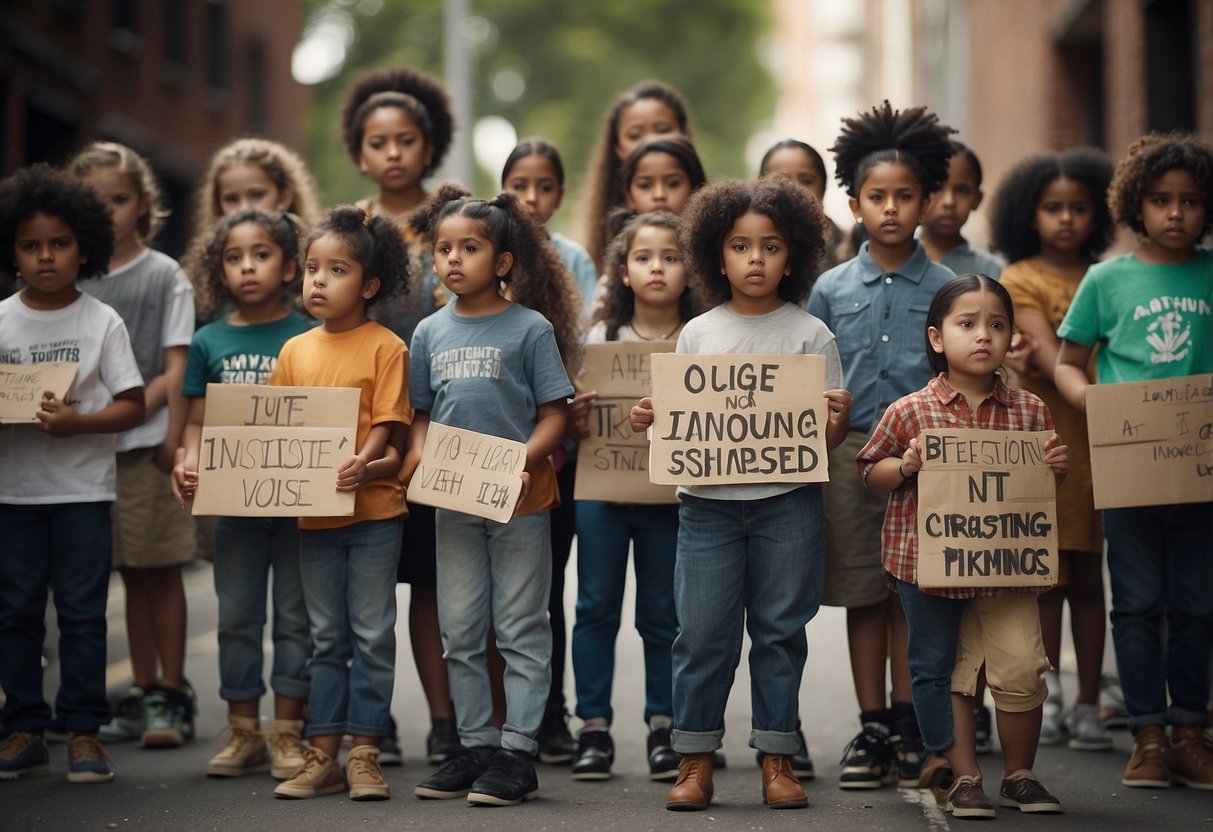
[963, 259]
[580, 266]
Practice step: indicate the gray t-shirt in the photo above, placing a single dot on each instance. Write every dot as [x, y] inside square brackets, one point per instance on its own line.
[788, 330]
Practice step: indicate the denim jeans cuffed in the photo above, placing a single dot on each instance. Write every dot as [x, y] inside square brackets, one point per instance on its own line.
[933, 625]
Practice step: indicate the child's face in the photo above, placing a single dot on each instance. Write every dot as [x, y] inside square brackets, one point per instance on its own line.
[755, 259]
[1173, 212]
[242, 187]
[119, 193]
[465, 260]
[654, 270]
[641, 120]
[1064, 217]
[659, 184]
[334, 289]
[253, 268]
[395, 153]
[974, 336]
[890, 204]
[533, 182]
[952, 204]
[796, 165]
[47, 255]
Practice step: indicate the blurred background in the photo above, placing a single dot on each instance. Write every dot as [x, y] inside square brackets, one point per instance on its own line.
[176, 79]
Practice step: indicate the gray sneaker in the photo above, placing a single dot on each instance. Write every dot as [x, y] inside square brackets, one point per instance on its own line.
[1086, 730]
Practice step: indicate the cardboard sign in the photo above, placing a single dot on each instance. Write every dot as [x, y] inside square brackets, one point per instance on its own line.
[737, 418]
[987, 509]
[613, 462]
[22, 386]
[1151, 441]
[467, 471]
[275, 451]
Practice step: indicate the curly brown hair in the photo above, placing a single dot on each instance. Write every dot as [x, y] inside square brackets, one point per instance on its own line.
[713, 210]
[210, 284]
[913, 137]
[419, 94]
[376, 245]
[1149, 158]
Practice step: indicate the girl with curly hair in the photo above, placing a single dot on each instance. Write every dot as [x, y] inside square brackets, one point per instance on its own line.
[1051, 219]
[890, 162]
[748, 555]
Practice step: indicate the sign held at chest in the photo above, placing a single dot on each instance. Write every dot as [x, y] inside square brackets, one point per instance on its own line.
[471, 472]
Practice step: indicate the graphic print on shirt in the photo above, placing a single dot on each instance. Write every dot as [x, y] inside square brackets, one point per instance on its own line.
[1170, 333]
[467, 362]
[247, 368]
[65, 349]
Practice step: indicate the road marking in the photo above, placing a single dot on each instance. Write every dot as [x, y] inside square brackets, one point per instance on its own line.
[930, 809]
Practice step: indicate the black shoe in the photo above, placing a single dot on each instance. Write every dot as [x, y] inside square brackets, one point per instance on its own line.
[802, 763]
[595, 754]
[867, 761]
[442, 742]
[456, 777]
[981, 729]
[509, 780]
[909, 754]
[389, 746]
[556, 744]
[663, 759]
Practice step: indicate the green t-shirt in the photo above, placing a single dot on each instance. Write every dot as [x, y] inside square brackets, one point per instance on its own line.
[225, 354]
[1149, 321]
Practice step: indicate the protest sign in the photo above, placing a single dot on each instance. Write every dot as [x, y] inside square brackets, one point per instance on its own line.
[1151, 441]
[736, 418]
[987, 509]
[613, 462]
[466, 471]
[22, 387]
[275, 451]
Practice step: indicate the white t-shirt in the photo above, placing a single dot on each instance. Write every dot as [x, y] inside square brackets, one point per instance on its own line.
[35, 467]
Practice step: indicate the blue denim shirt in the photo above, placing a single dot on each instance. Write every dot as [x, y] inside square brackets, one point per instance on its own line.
[879, 322]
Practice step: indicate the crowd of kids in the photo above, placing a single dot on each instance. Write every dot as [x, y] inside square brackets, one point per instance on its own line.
[442, 308]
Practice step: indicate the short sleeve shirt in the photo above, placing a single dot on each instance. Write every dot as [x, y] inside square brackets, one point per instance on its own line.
[223, 353]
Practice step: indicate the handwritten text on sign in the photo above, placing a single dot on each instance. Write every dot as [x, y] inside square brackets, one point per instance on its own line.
[738, 418]
[22, 386]
[613, 462]
[1151, 441]
[467, 471]
[275, 451]
[987, 509]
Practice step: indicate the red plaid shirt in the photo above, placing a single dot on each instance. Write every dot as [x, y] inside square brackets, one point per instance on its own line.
[937, 405]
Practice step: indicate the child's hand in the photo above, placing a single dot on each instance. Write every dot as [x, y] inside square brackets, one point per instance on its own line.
[1057, 456]
[641, 417]
[579, 414]
[56, 417]
[839, 402]
[523, 490]
[351, 474]
[1020, 351]
[185, 482]
[911, 460]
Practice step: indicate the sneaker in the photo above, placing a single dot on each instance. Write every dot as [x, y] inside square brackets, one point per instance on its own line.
[556, 744]
[595, 754]
[457, 774]
[363, 774]
[320, 775]
[244, 753]
[867, 761]
[23, 754]
[442, 742]
[936, 776]
[981, 733]
[126, 725]
[286, 747]
[1188, 759]
[663, 759]
[87, 761]
[966, 799]
[166, 713]
[509, 780]
[1086, 731]
[1021, 790]
[389, 746]
[1147, 768]
[1051, 723]
[802, 763]
[910, 755]
[1112, 710]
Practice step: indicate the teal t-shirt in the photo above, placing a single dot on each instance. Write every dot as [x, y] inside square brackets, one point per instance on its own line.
[222, 353]
[1149, 321]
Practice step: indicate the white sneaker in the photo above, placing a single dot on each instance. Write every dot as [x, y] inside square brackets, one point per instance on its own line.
[244, 753]
[1086, 730]
[1051, 719]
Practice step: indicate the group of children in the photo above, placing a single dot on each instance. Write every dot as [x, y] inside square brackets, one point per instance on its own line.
[494, 311]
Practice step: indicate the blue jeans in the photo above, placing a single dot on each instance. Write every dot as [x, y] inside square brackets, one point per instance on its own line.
[349, 583]
[1162, 609]
[933, 625]
[755, 564]
[604, 532]
[65, 547]
[246, 550]
[500, 572]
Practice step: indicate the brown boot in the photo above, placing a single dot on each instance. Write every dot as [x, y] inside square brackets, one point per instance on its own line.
[780, 788]
[1188, 759]
[1147, 767]
[693, 789]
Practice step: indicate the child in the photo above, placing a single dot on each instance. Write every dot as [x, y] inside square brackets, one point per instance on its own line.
[1051, 219]
[1130, 307]
[802, 164]
[348, 564]
[650, 108]
[57, 480]
[253, 256]
[151, 539]
[949, 211]
[748, 553]
[648, 300]
[485, 566]
[890, 162]
[951, 632]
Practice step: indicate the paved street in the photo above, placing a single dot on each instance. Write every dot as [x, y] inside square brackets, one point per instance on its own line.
[167, 789]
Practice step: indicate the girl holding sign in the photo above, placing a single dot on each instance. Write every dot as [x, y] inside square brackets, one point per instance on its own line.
[952, 631]
[749, 555]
